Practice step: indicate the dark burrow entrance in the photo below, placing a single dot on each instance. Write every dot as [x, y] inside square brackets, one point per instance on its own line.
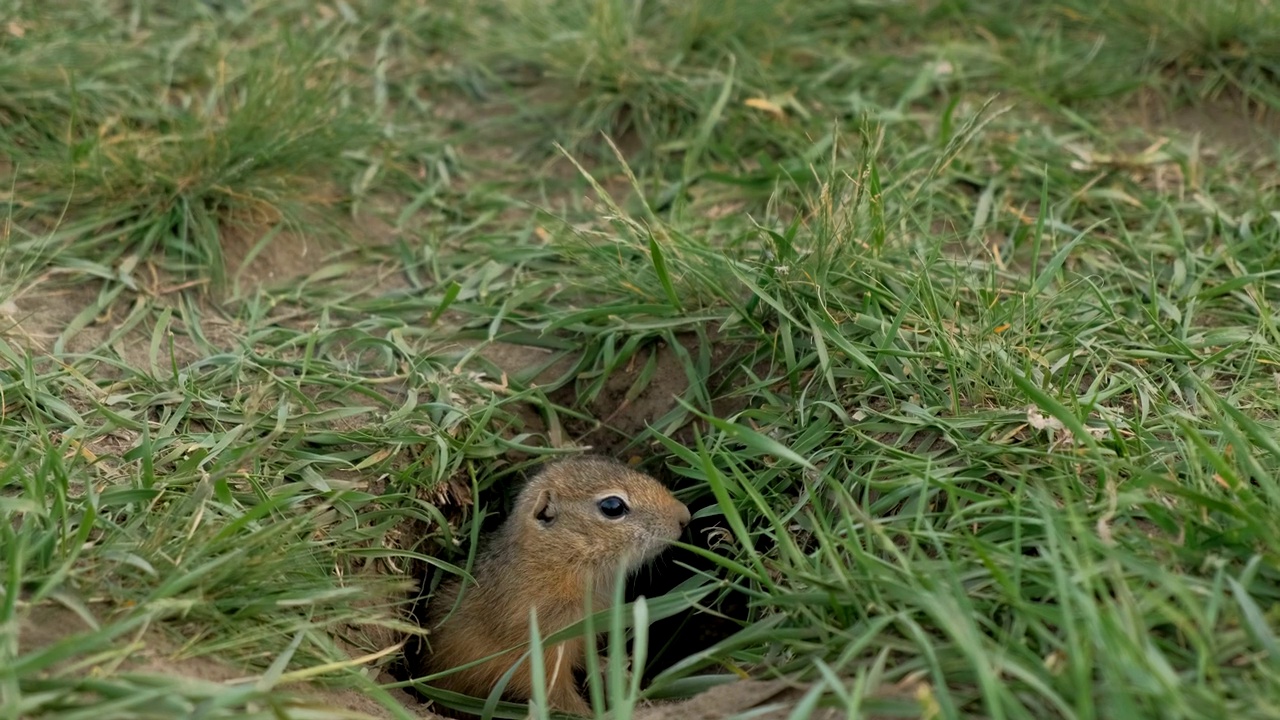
[670, 639]
[629, 415]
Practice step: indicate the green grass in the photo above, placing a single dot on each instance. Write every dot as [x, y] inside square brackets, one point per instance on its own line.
[976, 373]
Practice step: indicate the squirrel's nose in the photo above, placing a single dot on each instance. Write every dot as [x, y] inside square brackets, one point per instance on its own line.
[682, 517]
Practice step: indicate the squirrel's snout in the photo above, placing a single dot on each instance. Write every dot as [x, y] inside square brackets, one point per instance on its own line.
[682, 517]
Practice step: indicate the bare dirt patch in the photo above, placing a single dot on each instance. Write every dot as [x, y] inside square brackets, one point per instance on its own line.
[760, 699]
[271, 254]
[1225, 123]
[623, 413]
[46, 310]
[151, 653]
[258, 256]
[38, 315]
[255, 256]
[624, 409]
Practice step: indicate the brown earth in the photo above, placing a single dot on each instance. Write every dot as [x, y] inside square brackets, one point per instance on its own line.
[152, 653]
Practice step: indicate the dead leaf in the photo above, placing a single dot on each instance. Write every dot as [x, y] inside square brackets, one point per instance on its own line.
[1042, 422]
[766, 105]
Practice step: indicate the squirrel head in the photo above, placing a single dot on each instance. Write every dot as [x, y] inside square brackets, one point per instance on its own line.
[600, 513]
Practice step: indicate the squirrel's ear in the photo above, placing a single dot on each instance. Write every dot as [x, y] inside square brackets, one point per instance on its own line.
[544, 507]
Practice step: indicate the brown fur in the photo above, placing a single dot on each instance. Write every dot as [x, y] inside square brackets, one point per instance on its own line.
[549, 566]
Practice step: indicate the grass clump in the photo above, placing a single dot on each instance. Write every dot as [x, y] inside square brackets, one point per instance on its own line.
[175, 140]
[655, 68]
[1210, 47]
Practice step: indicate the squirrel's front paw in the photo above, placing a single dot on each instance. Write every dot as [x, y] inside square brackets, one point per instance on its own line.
[624, 667]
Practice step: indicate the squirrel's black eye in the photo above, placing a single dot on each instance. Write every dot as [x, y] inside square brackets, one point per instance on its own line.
[613, 507]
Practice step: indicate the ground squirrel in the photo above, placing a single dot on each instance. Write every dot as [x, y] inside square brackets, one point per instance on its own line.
[574, 524]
